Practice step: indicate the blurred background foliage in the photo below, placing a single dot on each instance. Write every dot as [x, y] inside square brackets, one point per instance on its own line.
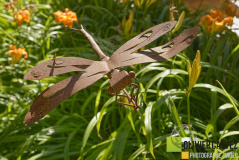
[90, 124]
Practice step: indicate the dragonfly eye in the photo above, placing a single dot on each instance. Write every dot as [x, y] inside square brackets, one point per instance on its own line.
[166, 27]
[132, 74]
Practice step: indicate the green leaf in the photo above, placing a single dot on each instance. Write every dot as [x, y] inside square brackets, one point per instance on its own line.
[209, 86]
[101, 114]
[230, 99]
[229, 125]
[87, 101]
[231, 133]
[164, 74]
[98, 96]
[147, 122]
[130, 117]
[174, 112]
[208, 47]
[88, 130]
[117, 146]
[67, 146]
[213, 120]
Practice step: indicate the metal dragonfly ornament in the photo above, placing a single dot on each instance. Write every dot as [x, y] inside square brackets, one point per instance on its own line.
[95, 70]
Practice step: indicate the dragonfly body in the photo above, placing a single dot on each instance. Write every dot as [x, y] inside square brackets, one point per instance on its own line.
[118, 81]
[95, 70]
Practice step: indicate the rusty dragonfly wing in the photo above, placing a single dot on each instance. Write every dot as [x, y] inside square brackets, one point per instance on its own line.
[44, 104]
[160, 53]
[54, 95]
[142, 40]
[58, 66]
[62, 90]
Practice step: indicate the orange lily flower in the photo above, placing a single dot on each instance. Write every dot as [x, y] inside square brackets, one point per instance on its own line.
[16, 53]
[67, 18]
[217, 18]
[22, 15]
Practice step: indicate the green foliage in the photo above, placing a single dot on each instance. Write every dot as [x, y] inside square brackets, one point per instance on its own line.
[90, 124]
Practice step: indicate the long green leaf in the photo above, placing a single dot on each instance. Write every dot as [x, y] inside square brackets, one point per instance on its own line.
[147, 122]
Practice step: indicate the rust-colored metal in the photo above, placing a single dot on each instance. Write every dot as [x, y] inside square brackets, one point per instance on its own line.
[118, 82]
[94, 70]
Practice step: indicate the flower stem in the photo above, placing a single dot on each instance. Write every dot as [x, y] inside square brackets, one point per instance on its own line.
[188, 108]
